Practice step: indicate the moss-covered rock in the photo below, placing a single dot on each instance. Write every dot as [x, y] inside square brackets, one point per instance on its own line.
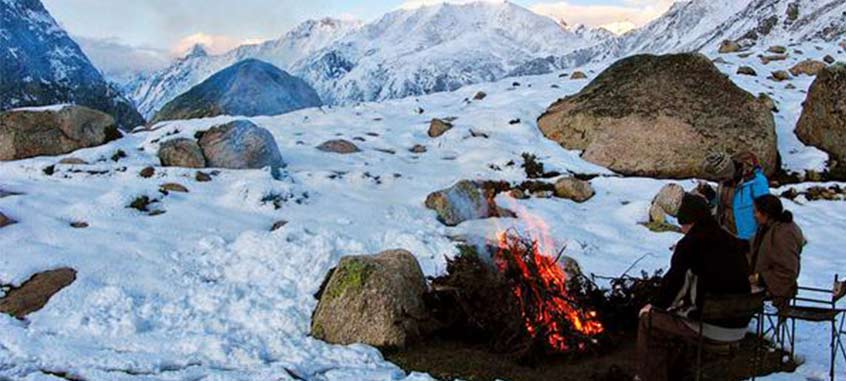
[372, 299]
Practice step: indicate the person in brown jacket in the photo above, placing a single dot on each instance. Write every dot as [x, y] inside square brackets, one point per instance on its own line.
[775, 250]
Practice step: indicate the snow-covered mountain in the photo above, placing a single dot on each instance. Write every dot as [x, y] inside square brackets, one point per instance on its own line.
[701, 25]
[151, 92]
[42, 65]
[406, 52]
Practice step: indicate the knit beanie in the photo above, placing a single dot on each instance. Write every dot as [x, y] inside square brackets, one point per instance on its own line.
[719, 165]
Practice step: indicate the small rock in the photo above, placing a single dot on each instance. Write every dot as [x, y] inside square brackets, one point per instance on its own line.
[438, 127]
[514, 121]
[478, 134]
[386, 150]
[79, 224]
[515, 84]
[202, 177]
[147, 172]
[278, 225]
[777, 49]
[34, 294]
[156, 213]
[578, 75]
[790, 86]
[563, 75]
[73, 161]
[181, 152]
[574, 189]
[418, 148]
[729, 46]
[173, 187]
[479, 96]
[780, 75]
[747, 70]
[5, 221]
[518, 194]
[778, 57]
[554, 86]
[719, 60]
[339, 146]
[807, 67]
[828, 59]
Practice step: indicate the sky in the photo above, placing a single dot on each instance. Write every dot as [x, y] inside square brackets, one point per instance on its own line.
[152, 32]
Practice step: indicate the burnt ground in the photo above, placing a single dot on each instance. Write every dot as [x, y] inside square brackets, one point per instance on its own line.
[449, 359]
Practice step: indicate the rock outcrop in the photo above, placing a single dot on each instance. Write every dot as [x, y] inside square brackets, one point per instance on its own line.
[58, 130]
[823, 120]
[372, 299]
[640, 117]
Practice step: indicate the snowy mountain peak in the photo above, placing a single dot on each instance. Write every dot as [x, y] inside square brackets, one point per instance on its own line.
[196, 51]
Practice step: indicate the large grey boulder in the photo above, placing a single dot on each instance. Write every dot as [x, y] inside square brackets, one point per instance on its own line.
[34, 294]
[660, 116]
[53, 131]
[372, 299]
[466, 200]
[240, 145]
[823, 120]
[181, 152]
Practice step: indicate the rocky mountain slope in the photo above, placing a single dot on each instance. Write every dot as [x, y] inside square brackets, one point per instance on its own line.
[250, 88]
[42, 65]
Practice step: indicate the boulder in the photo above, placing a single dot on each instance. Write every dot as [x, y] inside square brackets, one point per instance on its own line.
[278, 225]
[828, 59]
[438, 127]
[641, 118]
[807, 67]
[729, 46]
[578, 75]
[202, 177]
[466, 200]
[147, 172]
[479, 96]
[777, 49]
[666, 202]
[780, 76]
[26, 133]
[34, 294]
[418, 148]
[340, 146]
[746, 70]
[574, 189]
[823, 120]
[5, 221]
[770, 58]
[173, 187]
[181, 152]
[240, 144]
[372, 299]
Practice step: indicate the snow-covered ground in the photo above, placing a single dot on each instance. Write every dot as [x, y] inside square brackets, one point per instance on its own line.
[206, 291]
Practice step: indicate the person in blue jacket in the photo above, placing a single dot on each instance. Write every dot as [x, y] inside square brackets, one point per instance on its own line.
[742, 181]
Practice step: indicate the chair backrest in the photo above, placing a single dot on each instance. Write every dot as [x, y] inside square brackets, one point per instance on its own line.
[839, 289]
[828, 297]
[732, 306]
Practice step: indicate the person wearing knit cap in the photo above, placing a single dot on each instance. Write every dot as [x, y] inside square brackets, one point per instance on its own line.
[742, 180]
[707, 260]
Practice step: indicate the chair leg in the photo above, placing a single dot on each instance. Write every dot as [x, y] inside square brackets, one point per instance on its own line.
[699, 353]
[833, 353]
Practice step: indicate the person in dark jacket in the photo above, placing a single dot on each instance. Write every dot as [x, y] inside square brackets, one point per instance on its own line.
[776, 250]
[707, 260]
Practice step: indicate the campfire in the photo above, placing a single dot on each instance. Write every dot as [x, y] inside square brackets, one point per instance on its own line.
[539, 285]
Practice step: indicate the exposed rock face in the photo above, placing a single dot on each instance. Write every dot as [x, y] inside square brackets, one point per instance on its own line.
[249, 88]
[438, 127]
[641, 118]
[240, 144]
[53, 131]
[574, 189]
[181, 152]
[823, 120]
[340, 146]
[34, 294]
[375, 300]
[464, 201]
[807, 67]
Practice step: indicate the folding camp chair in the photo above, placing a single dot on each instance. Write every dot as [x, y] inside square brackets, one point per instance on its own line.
[818, 305]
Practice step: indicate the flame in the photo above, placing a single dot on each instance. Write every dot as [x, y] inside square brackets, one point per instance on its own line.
[549, 292]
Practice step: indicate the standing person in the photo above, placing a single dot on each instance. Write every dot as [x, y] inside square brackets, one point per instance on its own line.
[707, 260]
[742, 180]
[776, 250]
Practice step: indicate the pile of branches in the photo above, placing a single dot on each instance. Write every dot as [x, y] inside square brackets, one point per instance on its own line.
[475, 301]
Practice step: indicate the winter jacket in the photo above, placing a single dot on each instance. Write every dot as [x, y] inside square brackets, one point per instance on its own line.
[743, 205]
[708, 260]
[775, 257]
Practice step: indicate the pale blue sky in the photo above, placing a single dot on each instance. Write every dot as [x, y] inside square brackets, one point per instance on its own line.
[174, 24]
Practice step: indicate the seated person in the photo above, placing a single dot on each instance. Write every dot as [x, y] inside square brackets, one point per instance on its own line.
[776, 250]
[707, 260]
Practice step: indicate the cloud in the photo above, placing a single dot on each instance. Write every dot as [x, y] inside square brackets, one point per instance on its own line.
[617, 18]
[118, 60]
[414, 4]
[213, 43]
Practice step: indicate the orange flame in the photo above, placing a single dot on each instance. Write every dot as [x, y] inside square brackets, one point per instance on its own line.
[555, 306]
